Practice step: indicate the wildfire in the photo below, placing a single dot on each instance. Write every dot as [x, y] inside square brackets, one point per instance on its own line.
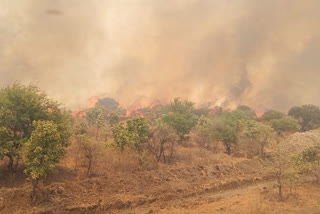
[78, 113]
[93, 101]
[139, 111]
[259, 113]
[133, 109]
[214, 110]
[155, 103]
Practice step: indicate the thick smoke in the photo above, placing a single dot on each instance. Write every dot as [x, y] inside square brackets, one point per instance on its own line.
[259, 53]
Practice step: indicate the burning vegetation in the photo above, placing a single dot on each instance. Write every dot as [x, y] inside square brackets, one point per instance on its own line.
[162, 103]
[38, 131]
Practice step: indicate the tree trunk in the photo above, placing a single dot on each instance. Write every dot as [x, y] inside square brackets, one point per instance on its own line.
[17, 163]
[164, 157]
[262, 150]
[10, 164]
[317, 175]
[280, 191]
[34, 188]
[279, 178]
[228, 147]
[89, 167]
[97, 133]
[161, 152]
[171, 151]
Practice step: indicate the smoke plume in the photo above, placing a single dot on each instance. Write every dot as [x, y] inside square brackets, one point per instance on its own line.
[264, 54]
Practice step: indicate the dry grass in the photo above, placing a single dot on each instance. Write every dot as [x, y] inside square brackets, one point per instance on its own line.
[118, 177]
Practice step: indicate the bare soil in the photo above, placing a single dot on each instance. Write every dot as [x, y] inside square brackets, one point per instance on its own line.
[199, 182]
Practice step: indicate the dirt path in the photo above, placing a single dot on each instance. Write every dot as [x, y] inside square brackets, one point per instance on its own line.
[259, 198]
[183, 204]
[250, 199]
[238, 191]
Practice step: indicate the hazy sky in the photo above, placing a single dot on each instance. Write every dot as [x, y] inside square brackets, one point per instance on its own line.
[263, 53]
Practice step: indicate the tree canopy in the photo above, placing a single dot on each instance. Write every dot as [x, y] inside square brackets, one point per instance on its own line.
[258, 132]
[108, 103]
[20, 105]
[309, 115]
[285, 124]
[271, 115]
[43, 150]
[134, 132]
[308, 161]
[245, 112]
[225, 130]
[97, 117]
[181, 118]
[139, 132]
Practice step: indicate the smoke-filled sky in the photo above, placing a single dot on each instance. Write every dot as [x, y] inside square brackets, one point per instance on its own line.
[265, 54]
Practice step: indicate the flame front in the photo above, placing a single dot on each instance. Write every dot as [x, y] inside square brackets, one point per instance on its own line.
[78, 113]
[93, 101]
[259, 113]
[133, 109]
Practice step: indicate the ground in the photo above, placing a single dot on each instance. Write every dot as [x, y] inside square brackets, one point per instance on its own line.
[200, 182]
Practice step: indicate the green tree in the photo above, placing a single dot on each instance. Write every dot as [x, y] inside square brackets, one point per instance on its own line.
[245, 112]
[225, 129]
[81, 129]
[108, 103]
[97, 117]
[285, 124]
[181, 123]
[19, 106]
[182, 107]
[43, 150]
[309, 115]
[204, 129]
[139, 132]
[240, 114]
[259, 132]
[121, 137]
[201, 112]
[181, 117]
[135, 134]
[272, 114]
[4, 141]
[308, 161]
[113, 118]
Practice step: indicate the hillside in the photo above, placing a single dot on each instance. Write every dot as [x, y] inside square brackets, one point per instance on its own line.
[155, 188]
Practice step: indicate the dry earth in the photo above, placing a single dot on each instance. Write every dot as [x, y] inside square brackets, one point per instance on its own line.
[217, 185]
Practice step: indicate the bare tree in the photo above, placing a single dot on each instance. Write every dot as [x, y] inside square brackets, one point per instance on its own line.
[162, 142]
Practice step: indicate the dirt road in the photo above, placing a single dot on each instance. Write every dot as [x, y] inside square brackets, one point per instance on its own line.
[251, 199]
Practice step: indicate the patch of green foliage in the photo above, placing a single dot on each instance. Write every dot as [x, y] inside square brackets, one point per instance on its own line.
[181, 118]
[43, 150]
[272, 115]
[285, 124]
[20, 105]
[134, 133]
[308, 115]
[258, 132]
[308, 161]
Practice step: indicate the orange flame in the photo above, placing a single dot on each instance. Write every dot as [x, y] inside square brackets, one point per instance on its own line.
[78, 113]
[155, 103]
[259, 113]
[93, 101]
[133, 109]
